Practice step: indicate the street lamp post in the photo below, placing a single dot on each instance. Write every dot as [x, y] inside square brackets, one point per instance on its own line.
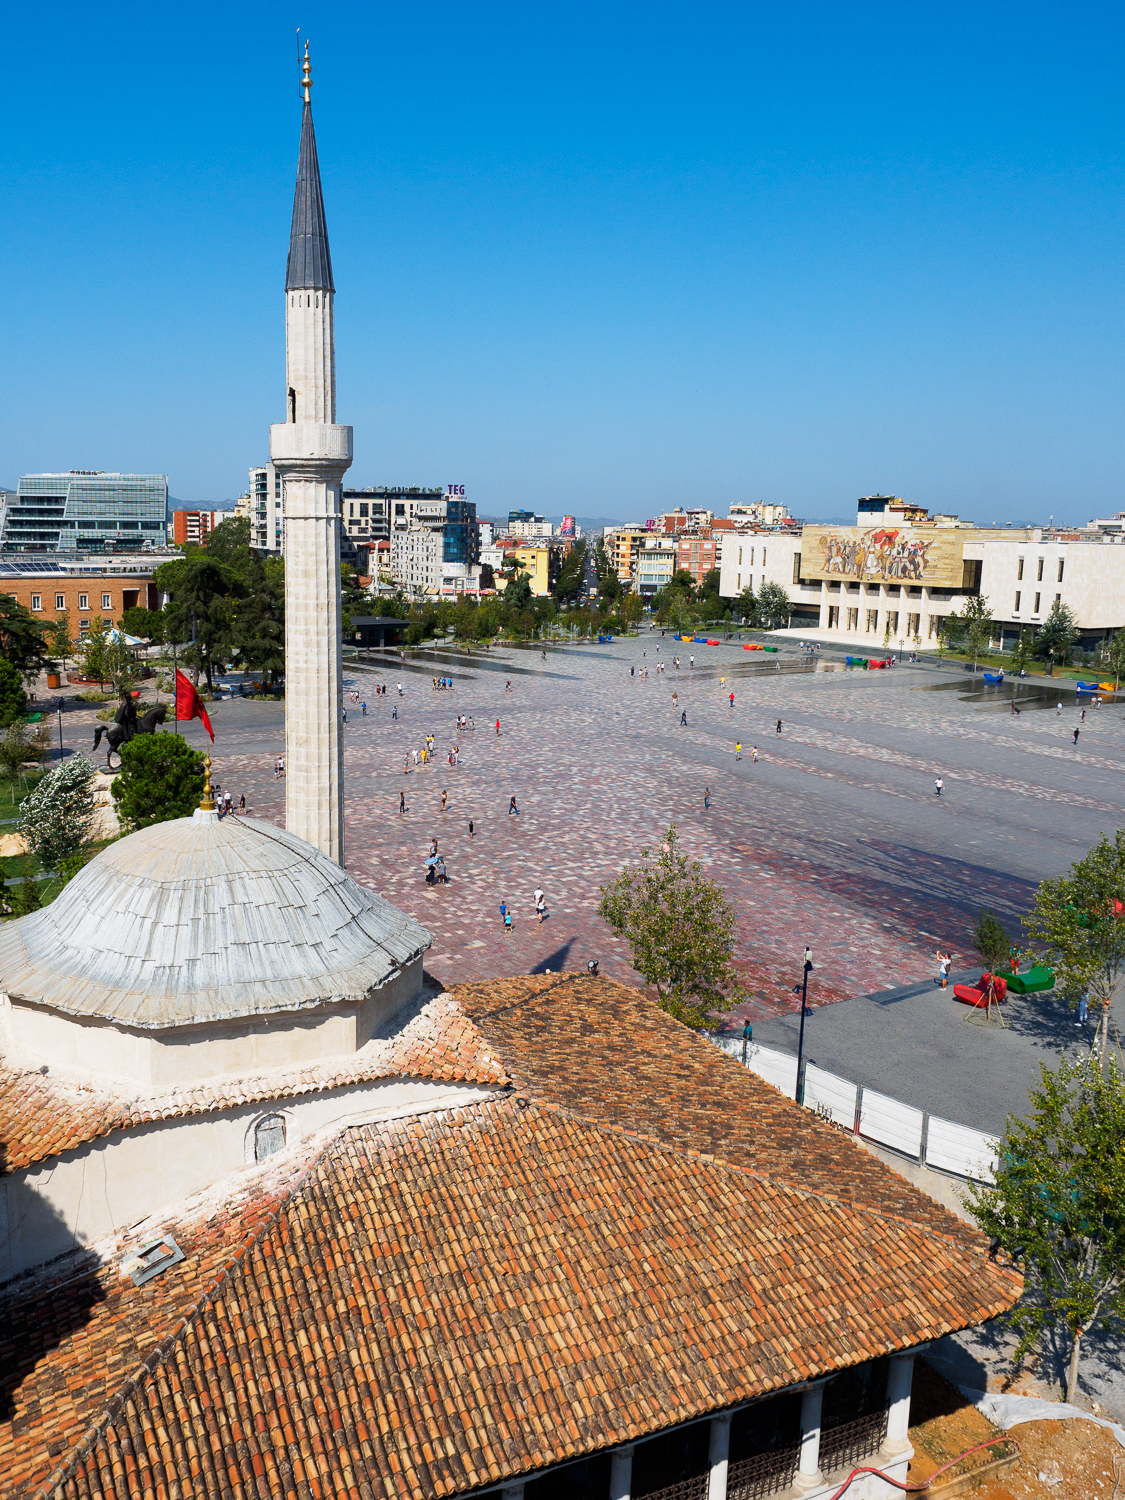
[803, 990]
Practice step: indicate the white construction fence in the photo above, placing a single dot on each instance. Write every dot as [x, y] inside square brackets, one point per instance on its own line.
[924, 1138]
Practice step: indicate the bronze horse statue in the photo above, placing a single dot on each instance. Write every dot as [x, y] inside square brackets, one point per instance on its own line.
[127, 726]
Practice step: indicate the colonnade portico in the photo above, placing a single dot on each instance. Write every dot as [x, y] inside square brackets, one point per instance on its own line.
[909, 611]
[809, 1481]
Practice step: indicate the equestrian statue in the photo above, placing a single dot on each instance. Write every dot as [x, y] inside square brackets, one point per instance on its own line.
[126, 726]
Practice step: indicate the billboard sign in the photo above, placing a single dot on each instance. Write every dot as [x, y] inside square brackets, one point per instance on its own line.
[567, 527]
[883, 554]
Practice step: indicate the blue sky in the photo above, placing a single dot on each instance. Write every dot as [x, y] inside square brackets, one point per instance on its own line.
[597, 259]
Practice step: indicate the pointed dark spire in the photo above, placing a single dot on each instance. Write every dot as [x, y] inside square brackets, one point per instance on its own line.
[310, 264]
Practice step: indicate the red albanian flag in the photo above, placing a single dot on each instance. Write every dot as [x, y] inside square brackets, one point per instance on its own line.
[189, 705]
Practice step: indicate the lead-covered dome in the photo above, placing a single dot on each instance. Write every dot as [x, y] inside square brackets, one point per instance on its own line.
[201, 920]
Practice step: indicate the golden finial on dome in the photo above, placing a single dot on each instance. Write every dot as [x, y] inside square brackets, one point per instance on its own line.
[208, 803]
[306, 80]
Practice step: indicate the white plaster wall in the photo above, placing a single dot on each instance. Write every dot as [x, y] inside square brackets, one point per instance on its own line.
[196, 1054]
[310, 357]
[110, 1184]
[1093, 583]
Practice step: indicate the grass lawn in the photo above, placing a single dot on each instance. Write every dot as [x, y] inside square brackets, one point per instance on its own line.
[11, 797]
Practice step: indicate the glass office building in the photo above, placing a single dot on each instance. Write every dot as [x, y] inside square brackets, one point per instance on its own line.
[86, 511]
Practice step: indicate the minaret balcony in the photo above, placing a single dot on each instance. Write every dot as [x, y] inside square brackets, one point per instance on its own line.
[297, 442]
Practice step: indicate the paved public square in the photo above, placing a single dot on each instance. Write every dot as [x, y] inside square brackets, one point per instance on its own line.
[833, 837]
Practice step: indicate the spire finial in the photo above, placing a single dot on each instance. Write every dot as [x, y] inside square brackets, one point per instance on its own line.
[208, 802]
[306, 80]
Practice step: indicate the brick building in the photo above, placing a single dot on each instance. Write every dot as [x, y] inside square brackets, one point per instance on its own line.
[83, 592]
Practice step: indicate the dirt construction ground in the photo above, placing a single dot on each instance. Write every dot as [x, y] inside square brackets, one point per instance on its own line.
[1067, 1460]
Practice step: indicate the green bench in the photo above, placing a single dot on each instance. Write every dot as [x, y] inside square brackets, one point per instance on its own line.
[1027, 983]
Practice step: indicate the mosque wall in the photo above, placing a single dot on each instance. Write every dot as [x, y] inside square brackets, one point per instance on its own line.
[187, 1056]
[106, 1186]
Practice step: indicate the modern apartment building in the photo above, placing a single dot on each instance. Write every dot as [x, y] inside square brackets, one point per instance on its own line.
[621, 545]
[266, 509]
[654, 564]
[197, 525]
[86, 510]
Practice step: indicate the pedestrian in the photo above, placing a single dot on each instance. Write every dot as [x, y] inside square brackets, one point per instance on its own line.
[242, 803]
[732, 700]
[394, 710]
[228, 799]
[691, 660]
[938, 785]
[683, 717]
[470, 828]
[944, 960]
[540, 908]
[778, 729]
[444, 799]
[363, 705]
[706, 797]
[1058, 709]
[1076, 734]
[402, 802]
[345, 716]
[737, 750]
[1082, 720]
[512, 808]
[753, 754]
[433, 848]
[505, 912]
[632, 673]
[497, 728]
[1083, 1007]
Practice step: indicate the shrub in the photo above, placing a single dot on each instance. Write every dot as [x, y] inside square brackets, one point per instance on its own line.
[161, 778]
[55, 816]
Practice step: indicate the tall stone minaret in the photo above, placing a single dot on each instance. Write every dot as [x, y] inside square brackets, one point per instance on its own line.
[311, 453]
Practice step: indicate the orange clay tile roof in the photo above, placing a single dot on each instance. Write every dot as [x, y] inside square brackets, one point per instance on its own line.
[41, 1117]
[607, 1051]
[442, 1302]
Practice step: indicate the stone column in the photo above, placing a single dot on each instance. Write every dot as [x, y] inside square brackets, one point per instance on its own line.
[718, 1456]
[808, 1467]
[621, 1473]
[899, 1378]
[312, 458]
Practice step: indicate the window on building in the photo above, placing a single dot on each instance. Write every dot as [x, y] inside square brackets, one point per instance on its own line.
[1039, 575]
[107, 601]
[269, 1136]
[1017, 608]
[83, 624]
[363, 511]
[1058, 598]
[351, 510]
[1035, 611]
[83, 601]
[60, 601]
[1019, 571]
[37, 601]
[1059, 579]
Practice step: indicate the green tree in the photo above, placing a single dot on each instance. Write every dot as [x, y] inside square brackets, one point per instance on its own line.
[161, 778]
[59, 635]
[1057, 636]
[773, 606]
[55, 817]
[1059, 1201]
[517, 592]
[354, 598]
[951, 634]
[1079, 921]
[22, 638]
[993, 943]
[13, 699]
[1022, 651]
[572, 574]
[748, 606]
[632, 608]
[1115, 658]
[978, 624]
[487, 576]
[148, 624]
[204, 589]
[680, 927]
[17, 750]
[93, 652]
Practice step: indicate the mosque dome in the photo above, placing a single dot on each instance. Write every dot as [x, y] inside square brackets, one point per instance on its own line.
[202, 921]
